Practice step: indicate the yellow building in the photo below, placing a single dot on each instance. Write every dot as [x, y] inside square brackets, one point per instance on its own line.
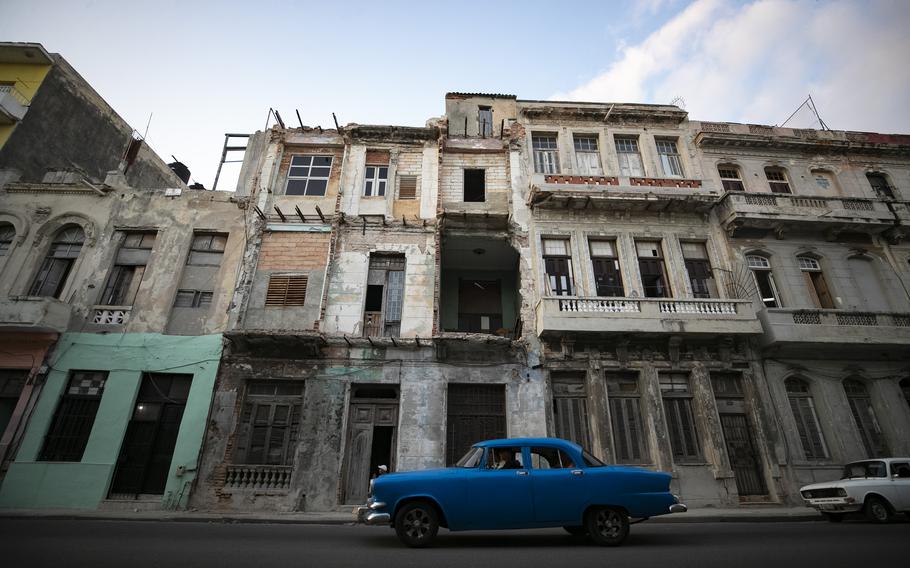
[23, 67]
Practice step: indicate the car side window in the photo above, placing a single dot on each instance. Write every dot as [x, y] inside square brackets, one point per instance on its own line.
[504, 458]
[550, 458]
[901, 470]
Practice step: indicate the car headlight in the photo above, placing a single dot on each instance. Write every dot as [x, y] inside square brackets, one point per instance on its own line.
[806, 494]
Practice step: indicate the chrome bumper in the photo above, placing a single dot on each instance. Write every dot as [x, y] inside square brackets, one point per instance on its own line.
[678, 508]
[369, 514]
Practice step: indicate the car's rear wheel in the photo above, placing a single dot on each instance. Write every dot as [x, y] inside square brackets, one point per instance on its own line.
[416, 524]
[576, 530]
[834, 517]
[607, 526]
[877, 510]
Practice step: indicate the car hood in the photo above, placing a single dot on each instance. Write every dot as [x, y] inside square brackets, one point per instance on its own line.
[824, 485]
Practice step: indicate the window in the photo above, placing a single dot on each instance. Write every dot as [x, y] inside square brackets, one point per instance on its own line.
[59, 261]
[485, 121]
[550, 458]
[546, 158]
[764, 281]
[674, 389]
[193, 299]
[815, 282]
[270, 423]
[625, 418]
[587, 155]
[385, 295]
[75, 415]
[880, 185]
[570, 407]
[475, 186]
[864, 416]
[129, 268]
[698, 268]
[905, 388]
[669, 158]
[374, 181]
[12, 381]
[286, 291]
[629, 157]
[605, 261]
[308, 175]
[504, 458]
[207, 249]
[730, 178]
[777, 180]
[653, 272]
[803, 407]
[407, 187]
[557, 260]
[7, 234]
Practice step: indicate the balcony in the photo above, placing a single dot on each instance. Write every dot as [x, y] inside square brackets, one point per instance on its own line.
[568, 314]
[780, 212]
[258, 477]
[621, 193]
[844, 333]
[32, 313]
[13, 105]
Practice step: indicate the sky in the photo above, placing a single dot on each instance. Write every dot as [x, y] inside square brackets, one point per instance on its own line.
[201, 69]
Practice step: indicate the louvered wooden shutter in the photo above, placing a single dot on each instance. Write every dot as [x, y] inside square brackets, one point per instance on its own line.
[407, 187]
[286, 291]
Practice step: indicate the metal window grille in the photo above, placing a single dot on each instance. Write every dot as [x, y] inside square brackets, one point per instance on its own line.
[286, 291]
[75, 415]
[803, 408]
[308, 175]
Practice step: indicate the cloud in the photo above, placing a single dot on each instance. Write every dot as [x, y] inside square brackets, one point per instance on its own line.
[758, 61]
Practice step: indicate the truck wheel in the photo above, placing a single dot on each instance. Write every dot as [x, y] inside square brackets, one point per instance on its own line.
[877, 510]
[416, 524]
[607, 526]
[834, 517]
[576, 530]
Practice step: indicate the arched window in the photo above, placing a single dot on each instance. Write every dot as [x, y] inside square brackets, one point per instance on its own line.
[803, 407]
[764, 280]
[59, 261]
[730, 177]
[880, 185]
[7, 234]
[865, 419]
[778, 180]
[815, 282]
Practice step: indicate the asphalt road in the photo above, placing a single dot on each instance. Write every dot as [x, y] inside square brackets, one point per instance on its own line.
[57, 543]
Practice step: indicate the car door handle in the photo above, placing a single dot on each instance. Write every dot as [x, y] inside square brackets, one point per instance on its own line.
[521, 472]
[577, 472]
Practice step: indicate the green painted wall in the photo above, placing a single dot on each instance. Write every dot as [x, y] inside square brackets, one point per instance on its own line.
[449, 294]
[34, 484]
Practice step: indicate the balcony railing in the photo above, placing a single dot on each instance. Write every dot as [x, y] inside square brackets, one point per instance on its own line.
[645, 315]
[835, 328]
[258, 477]
[779, 208]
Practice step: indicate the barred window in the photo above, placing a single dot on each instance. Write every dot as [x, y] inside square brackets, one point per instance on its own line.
[803, 407]
[75, 415]
[308, 175]
[629, 442]
[270, 422]
[677, 399]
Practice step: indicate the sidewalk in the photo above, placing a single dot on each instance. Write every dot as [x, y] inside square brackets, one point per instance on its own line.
[701, 515]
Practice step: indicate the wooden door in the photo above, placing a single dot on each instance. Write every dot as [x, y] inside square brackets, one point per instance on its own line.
[361, 453]
[743, 458]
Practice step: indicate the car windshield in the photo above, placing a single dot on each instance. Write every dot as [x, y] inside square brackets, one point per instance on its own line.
[864, 469]
[470, 459]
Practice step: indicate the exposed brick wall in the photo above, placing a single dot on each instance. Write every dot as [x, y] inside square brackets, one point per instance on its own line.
[294, 251]
[378, 157]
[451, 178]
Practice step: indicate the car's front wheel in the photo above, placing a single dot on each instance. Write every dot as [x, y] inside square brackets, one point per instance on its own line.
[416, 524]
[877, 510]
[607, 526]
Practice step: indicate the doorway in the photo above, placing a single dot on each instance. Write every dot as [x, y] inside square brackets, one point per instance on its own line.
[740, 445]
[372, 429]
[151, 436]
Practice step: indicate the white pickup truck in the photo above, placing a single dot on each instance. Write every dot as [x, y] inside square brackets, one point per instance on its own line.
[879, 488]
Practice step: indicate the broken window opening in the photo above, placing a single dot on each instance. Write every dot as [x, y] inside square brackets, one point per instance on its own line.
[816, 283]
[698, 268]
[475, 186]
[557, 259]
[764, 280]
[880, 185]
[384, 296]
[55, 269]
[652, 269]
[7, 234]
[485, 121]
[479, 306]
[207, 249]
[607, 274]
[129, 268]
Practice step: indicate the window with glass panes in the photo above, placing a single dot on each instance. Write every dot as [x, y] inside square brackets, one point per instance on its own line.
[730, 178]
[269, 423]
[669, 158]
[764, 280]
[629, 439]
[698, 268]
[677, 400]
[803, 407]
[777, 180]
[557, 259]
[651, 266]
[816, 282]
[605, 262]
[374, 181]
[308, 175]
[546, 157]
[629, 156]
[587, 155]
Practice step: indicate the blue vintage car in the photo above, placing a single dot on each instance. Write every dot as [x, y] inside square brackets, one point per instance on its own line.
[516, 484]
